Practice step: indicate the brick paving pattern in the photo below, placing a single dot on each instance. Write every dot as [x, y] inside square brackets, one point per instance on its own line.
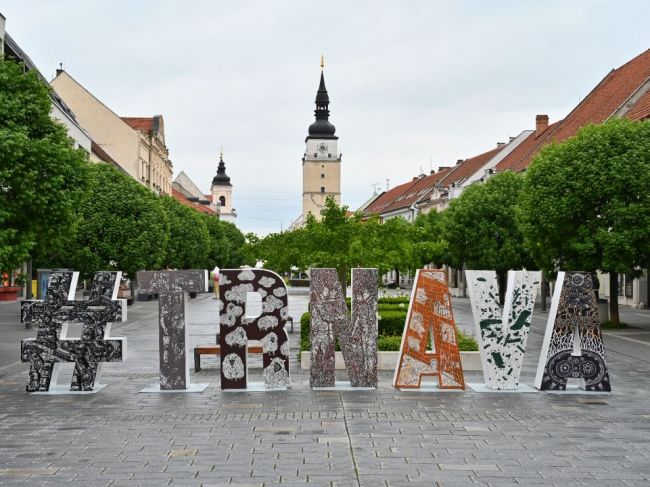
[119, 437]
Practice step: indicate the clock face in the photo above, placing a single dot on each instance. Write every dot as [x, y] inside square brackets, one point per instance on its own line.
[322, 147]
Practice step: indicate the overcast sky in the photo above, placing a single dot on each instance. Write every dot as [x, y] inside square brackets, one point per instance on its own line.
[413, 85]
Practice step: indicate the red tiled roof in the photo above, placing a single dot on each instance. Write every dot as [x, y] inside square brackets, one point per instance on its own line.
[600, 104]
[143, 124]
[406, 194]
[178, 196]
[641, 109]
[387, 198]
[469, 166]
[522, 153]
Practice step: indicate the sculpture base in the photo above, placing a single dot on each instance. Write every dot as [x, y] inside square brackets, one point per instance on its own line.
[60, 389]
[521, 388]
[574, 389]
[343, 385]
[256, 387]
[427, 387]
[191, 388]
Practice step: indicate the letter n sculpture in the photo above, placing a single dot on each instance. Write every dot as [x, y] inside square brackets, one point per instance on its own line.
[573, 344]
[502, 335]
[171, 287]
[357, 335]
[55, 313]
[430, 317]
[235, 329]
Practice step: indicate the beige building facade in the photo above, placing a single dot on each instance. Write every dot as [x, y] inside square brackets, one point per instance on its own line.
[137, 144]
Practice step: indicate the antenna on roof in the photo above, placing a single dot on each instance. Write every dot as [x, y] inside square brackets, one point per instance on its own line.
[387, 183]
[61, 66]
[375, 188]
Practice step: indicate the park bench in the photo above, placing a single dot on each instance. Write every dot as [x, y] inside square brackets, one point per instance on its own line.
[215, 349]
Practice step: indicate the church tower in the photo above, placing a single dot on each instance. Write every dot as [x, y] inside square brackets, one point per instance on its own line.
[321, 163]
[221, 190]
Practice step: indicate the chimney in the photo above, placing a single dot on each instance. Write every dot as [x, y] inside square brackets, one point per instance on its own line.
[459, 162]
[433, 171]
[541, 124]
[500, 144]
[443, 168]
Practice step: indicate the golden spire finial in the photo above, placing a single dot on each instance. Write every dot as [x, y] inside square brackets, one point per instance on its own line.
[322, 61]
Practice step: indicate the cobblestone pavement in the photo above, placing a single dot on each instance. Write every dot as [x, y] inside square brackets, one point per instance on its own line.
[379, 438]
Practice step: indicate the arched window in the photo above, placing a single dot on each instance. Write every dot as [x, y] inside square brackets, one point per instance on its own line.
[222, 200]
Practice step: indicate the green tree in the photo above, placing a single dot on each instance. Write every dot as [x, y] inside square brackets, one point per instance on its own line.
[481, 228]
[396, 245]
[42, 177]
[428, 244]
[586, 203]
[189, 240]
[227, 246]
[123, 226]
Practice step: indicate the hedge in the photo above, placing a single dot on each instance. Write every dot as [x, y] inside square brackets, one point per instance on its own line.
[391, 327]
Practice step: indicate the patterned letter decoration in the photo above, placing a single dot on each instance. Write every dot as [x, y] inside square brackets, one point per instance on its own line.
[236, 330]
[573, 344]
[357, 336]
[503, 335]
[171, 287]
[53, 316]
[429, 315]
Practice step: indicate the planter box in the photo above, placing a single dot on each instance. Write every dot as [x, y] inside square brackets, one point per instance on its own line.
[9, 293]
[388, 360]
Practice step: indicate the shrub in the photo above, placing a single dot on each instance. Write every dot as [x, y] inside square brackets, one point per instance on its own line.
[392, 323]
[389, 343]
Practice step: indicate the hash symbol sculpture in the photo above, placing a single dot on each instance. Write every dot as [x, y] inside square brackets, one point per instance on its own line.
[53, 315]
[429, 316]
[502, 335]
[573, 344]
[171, 287]
[357, 335]
[235, 330]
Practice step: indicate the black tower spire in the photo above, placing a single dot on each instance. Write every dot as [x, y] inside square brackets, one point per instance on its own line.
[221, 179]
[322, 128]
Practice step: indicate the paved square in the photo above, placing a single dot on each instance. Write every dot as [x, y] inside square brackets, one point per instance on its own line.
[326, 438]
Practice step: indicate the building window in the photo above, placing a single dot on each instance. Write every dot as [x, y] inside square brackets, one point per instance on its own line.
[322, 175]
[315, 154]
[322, 190]
[329, 155]
[222, 200]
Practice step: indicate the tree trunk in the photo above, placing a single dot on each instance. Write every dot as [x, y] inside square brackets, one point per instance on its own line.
[502, 280]
[613, 298]
[28, 289]
[397, 278]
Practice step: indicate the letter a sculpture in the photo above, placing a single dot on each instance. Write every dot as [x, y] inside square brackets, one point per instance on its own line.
[53, 315]
[236, 330]
[357, 336]
[429, 315]
[573, 344]
[502, 335]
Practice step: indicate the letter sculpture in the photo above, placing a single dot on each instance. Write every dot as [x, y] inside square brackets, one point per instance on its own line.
[357, 336]
[429, 315]
[171, 287]
[53, 315]
[573, 344]
[502, 335]
[236, 330]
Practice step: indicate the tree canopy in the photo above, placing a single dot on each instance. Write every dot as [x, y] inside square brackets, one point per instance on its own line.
[586, 201]
[123, 225]
[42, 175]
[189, 240]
